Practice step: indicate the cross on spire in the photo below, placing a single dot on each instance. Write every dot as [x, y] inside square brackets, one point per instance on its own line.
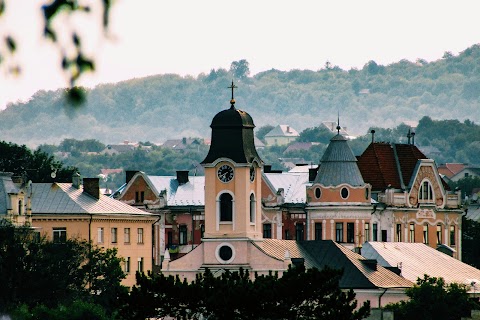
[232, 101]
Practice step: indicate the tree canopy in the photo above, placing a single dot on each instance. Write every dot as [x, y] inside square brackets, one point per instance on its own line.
[433, 299]
[37, 166]
[170, 106]
[34, 272]
[298, 294]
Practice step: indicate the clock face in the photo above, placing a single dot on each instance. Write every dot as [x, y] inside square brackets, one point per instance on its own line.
[225, 173]
[252, 173]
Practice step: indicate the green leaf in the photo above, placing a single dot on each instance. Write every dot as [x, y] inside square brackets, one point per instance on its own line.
[11, 45]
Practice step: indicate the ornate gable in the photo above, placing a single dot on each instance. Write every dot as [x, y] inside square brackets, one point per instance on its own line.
[426, 186]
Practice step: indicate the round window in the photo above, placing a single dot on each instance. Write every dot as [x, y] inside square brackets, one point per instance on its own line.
[344, 193]
[318, 193]
[225, 253]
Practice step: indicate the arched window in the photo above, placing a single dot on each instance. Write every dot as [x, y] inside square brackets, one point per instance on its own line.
[20, 207]
[226, 207]
[252, 208]
[425, 194]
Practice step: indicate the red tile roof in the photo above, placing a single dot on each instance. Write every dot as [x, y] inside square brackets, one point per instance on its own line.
[408, 156]
[379, 167]
[451, 169]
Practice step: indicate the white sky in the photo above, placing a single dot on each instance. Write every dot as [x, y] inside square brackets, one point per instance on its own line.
[190, 37]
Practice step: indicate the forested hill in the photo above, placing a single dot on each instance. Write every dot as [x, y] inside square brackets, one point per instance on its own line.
[160, 107]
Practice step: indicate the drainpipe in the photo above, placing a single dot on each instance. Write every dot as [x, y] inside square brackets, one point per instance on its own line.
[153, 240]
[193, 228]
[90, 229]
[380, 303]
[307, 222]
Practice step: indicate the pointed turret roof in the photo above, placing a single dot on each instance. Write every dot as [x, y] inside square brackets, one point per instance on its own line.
[339, 165]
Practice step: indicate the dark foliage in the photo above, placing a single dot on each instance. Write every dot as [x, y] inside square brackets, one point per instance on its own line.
[35, 272]
[432, 299]
[299, 294]
[37, 166]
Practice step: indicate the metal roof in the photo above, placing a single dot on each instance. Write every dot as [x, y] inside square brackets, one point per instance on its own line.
[293, 184]
[6, 187]
[63, 198]
[187, 194]
[473, 212]
[418, 259]
[339, 165]
[326, 253]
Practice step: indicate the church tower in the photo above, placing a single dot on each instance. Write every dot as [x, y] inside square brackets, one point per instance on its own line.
[233, 219]
[232, 177]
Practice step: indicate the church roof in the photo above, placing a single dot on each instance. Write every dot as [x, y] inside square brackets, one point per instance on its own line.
[358, 272]
[232, 137]
[339, 165]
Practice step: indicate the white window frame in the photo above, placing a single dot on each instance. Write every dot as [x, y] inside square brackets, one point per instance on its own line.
[100, 235]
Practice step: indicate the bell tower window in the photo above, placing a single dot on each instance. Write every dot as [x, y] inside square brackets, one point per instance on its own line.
[226, 207]
[252, 208]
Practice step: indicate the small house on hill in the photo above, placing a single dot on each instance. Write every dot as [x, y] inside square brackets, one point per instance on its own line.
[281, 135]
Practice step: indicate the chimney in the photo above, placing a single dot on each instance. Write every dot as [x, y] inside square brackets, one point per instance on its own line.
[91, 186]
[312, 174]
[76, 180]
[370, 263]
[267, 168]
[129, 175]
[288, 129]
[17, 180]
[373, 135]
[413, 138]
[409, 135]
[182, 176]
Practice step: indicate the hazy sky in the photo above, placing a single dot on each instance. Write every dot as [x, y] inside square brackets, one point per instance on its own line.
[150, 37]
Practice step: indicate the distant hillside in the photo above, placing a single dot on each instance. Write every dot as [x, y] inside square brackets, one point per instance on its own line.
[168, 106]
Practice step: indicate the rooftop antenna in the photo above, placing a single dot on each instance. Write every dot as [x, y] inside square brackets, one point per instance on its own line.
[232, 101]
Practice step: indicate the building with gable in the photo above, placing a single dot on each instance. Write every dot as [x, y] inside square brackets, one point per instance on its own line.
[281, 135]
[178, 201]
[414, 204]
[233, 235]
[328, 202]
[14, 200]
[62, 211]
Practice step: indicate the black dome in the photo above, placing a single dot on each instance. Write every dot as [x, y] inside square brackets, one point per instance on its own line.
[232, 137]
[232, 118]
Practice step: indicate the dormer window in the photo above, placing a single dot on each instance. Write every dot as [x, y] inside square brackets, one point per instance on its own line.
[425, 193]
